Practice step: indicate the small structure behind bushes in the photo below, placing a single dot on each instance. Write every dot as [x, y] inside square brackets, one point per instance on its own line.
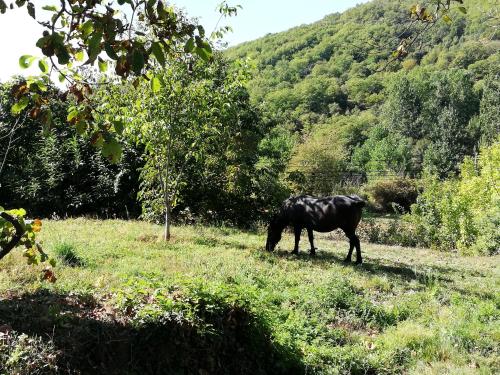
[385, 194]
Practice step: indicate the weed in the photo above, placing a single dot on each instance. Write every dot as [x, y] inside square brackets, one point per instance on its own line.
[67, 254]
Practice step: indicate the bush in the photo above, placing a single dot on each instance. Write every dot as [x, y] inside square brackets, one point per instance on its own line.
[463, 213]
[383, 194]
[385, 231]
[390, 232]
[67, 254]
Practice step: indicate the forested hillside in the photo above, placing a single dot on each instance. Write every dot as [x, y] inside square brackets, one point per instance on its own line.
[341, 112]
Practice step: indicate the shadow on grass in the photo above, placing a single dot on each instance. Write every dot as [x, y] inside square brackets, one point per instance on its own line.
[91, 341]
[400, 270]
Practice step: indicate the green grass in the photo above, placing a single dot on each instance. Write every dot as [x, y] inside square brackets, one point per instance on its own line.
[225, 306]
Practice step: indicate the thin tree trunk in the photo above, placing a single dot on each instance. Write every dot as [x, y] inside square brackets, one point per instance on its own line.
[11, 136]
[166, 234]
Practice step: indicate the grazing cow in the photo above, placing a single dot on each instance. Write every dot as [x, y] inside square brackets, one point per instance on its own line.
[320, 215]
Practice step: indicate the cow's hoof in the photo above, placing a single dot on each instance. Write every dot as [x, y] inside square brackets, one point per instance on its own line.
[313, 253]
[359, 261]
[294, 252]
[347, 260]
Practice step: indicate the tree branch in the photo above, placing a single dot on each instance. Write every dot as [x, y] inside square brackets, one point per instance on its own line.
[17, 236]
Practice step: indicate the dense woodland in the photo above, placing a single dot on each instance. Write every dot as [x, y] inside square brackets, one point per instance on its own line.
[319, 109]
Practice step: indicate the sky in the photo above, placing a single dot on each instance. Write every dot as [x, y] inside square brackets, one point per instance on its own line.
[19, 32]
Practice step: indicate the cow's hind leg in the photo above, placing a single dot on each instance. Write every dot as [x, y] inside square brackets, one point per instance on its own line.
[353, 243]
[349, 254]
[357, 244]
[311, 241]
[297, 231]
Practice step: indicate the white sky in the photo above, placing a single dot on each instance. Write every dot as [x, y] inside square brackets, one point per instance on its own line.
[19, 32]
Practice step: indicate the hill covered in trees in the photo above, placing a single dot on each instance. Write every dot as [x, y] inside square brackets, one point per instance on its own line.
[342, 109]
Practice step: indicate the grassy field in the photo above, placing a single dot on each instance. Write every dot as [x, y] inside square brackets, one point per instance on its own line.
[212, 301]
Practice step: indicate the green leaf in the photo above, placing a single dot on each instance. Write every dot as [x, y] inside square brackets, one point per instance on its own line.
[137, 61]
[203, 53]
[119, 126]
[155, 84]
[94, 46]
[112, 150]
[51, 8]
[72, 114]
[61, 77]
[446, 18]
[87, 28]
[206, 46]
[31, 10]
[44, 67]
[25, 61]
[463, 10]
[20, 105]
[103, 65]
[79, 56]
[201, 31]
[189, 47]
[62, 55]
[110, 51]
[157, 51]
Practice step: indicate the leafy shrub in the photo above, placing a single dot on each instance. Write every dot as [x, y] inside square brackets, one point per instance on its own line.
[384, 193]
[217, 319]
[463, 213]
[399, 232]
[390, 232]
[67, 254]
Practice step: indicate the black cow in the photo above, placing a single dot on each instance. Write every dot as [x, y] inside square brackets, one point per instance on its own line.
[320, 215]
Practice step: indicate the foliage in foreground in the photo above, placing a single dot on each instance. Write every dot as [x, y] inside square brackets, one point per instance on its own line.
[214, 291]
[16, 231]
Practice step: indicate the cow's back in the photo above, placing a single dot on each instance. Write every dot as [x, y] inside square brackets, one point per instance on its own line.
[323, 214]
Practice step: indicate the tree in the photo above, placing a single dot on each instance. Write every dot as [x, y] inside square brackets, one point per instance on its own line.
[57, 171]
[77, 35]
[318, 164]
[177, 123]
[489, 118]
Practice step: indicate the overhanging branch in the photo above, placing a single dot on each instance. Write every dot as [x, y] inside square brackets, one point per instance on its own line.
[17, 236]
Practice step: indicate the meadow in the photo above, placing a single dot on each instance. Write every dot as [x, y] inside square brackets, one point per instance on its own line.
[213, 301]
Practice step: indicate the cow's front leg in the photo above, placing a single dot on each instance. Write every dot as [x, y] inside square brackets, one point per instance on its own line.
[311, 241]
[349, 254]
[297, 231]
